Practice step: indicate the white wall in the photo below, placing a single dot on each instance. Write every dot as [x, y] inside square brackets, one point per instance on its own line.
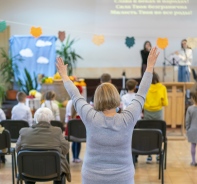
[84, 18]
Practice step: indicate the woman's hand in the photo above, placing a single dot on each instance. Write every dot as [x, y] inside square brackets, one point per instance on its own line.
[62, 69]
[152, 58]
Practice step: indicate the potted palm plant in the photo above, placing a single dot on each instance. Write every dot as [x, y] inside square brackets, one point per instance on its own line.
[2, 94]
[28, 83]
[8, 70]
[69, 55]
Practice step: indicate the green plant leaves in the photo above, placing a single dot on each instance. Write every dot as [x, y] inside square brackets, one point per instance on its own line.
[69, 55]
[29, 83]
[8, 67]
[2, 93]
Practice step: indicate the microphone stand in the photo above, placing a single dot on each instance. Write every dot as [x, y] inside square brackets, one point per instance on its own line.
[164, 65]
[173, 63]
[123, 90]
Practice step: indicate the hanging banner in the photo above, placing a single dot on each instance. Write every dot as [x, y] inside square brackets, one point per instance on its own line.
[62, 36]
[129, 41]
[162, 43]
[38, 55]
[98, 39]
[2, 26]
[36, 31]
[192, 42]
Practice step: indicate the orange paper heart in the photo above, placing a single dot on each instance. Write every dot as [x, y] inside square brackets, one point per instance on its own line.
[36, 31]
[162, 43]
[98, 39]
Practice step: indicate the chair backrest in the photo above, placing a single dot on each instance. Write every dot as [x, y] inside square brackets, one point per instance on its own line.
[194, 74]
[14, 127]
[152, 124]
[5, 141]
[76, 131]
[146, 141]
[39, 165]
[57, 124]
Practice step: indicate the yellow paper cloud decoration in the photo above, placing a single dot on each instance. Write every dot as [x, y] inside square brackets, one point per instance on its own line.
[98, 39]
[162, 43]
[36, 31]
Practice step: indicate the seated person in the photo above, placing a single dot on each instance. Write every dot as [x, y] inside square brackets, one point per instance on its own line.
[50, 103]
[3, 150]
[2, 115]
[127, 98]
[72, 114]
[105, 77]
[44, 136]
[21, 111]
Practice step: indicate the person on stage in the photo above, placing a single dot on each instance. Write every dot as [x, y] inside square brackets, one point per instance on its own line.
[144, 55]
[185, 56]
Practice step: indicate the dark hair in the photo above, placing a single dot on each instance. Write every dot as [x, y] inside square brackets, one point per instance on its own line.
[21, 96]
[131, 84]
[50, 95]
[145, 44]
[184, 40]
[105, 78]
[155, 79]
[193, 93]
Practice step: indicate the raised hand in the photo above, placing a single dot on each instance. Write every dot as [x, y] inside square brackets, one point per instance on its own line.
[62, 69]
[152, 58]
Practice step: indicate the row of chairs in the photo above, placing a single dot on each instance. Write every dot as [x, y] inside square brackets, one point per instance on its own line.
[33, 165]
[148, 137]
[45, 164]
[14, 127]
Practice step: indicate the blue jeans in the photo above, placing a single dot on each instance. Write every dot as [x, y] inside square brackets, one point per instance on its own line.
[76, 147]
[183, 74]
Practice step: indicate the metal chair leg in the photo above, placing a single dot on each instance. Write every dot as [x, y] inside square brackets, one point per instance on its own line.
[13, 177]
[162, 169]
[165, 161]
[159, 166]
[15, 166]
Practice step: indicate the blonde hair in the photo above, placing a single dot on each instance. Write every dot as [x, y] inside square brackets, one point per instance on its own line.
[106, 97]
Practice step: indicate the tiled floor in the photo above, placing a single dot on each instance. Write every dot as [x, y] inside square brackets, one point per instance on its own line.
[178, 170]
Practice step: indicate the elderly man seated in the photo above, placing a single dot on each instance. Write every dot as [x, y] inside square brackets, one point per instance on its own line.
[44, 136]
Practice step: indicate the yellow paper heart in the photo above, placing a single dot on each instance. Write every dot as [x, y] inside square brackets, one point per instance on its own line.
[98, 39]
[192, 42]
[162, 43]
[36, 31]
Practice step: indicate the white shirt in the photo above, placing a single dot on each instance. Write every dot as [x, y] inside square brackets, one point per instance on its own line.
[2, 115]
[22, 112]
[68, 110]
[54, 108]
[126, 99]
[185, 57]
